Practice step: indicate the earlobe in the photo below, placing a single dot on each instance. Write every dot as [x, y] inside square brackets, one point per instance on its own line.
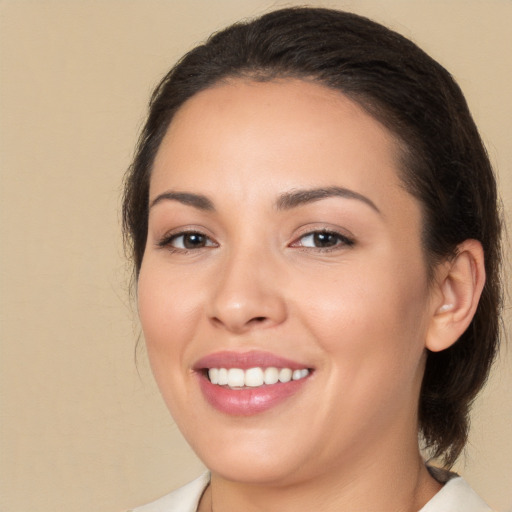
[460, 281]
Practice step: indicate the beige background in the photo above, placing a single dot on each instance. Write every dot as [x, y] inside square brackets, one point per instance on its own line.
[82, 429]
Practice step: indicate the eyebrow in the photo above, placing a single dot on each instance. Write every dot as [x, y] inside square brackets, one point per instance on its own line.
[286, 201]
[296, 198]
[196, 200]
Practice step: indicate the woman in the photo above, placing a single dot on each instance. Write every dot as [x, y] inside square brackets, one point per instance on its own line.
[315, 238]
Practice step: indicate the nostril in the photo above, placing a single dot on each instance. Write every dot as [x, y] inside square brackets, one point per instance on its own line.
[257, 320]
[238, 324]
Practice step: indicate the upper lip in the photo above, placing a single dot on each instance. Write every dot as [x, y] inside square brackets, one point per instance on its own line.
[246, 360]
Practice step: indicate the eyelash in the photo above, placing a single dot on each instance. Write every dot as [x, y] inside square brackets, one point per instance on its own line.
[167, 241]
[341, 242]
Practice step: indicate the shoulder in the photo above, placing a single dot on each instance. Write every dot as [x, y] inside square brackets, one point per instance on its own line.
[184, 499]
[456, 495]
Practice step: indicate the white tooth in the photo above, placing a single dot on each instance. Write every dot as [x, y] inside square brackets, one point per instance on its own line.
[213, 373]
[254, 377]
[285, 375]
[236, 378]
[271, 375]
[297, 374]
[304, 372]
[223, 377]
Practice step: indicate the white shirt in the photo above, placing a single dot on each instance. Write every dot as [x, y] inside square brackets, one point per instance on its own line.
[455, 496]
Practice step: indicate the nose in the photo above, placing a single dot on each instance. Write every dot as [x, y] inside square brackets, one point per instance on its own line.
[247, 295]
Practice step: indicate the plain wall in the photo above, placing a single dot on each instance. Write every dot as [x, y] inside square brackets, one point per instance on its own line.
[82, 428]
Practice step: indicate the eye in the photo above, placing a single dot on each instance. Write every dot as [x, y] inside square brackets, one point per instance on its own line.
[186, 241]
[323, 240]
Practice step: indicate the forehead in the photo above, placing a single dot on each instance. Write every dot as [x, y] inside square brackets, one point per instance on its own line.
[289, 133]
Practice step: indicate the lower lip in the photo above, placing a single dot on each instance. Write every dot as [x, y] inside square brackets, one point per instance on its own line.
[248, 401]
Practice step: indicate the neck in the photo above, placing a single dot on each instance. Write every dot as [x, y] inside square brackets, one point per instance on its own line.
[395, 483]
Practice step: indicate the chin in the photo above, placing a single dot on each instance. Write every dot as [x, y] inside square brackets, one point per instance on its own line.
[257, 457]
[255, 471]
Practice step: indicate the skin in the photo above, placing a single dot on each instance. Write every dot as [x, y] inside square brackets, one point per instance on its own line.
[360, 314]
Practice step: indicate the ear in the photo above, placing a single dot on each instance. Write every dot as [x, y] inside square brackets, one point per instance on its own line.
[458, 286]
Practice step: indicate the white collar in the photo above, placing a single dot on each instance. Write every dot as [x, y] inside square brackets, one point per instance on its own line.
[455, 496]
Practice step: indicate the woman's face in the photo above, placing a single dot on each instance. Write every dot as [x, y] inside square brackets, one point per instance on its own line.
[281, 238]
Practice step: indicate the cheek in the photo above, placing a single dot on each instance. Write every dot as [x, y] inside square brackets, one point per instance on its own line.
[168, 317]
[370, 320]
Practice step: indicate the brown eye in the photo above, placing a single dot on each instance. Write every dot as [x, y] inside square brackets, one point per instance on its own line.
[187, 241]
[193, 240]
[324, 240]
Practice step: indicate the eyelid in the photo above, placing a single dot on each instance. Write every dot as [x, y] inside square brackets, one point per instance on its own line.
[165, 241]
[348, 240]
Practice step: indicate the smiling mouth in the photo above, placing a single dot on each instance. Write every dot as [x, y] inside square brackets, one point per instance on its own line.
[250, 383]
[238, 378]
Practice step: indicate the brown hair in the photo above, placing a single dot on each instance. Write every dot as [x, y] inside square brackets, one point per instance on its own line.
[445, 165]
